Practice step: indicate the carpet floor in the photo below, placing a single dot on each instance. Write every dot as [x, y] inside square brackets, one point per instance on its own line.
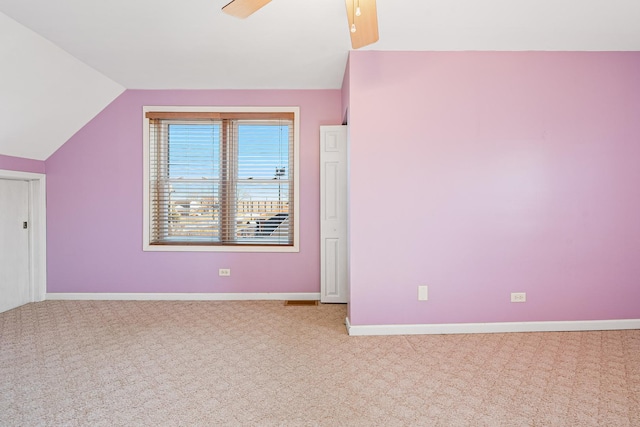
[261, 363]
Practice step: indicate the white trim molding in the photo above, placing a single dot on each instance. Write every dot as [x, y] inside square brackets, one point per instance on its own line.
[487, 328]
[38, 230]
[184, 296]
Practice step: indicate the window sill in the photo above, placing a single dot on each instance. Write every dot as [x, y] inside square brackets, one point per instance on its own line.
[205, 248]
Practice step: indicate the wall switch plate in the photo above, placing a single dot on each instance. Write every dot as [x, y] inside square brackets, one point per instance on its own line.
[423, 293]
[224, 272]
[518, 297]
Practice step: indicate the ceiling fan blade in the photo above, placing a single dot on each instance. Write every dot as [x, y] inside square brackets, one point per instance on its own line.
[365, 25]
[243, 8]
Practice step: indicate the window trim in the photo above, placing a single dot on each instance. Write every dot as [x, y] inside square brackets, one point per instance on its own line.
[146, 220]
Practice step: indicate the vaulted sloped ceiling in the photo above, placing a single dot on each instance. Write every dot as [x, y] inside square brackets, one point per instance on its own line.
[46, 94]
[62, 61]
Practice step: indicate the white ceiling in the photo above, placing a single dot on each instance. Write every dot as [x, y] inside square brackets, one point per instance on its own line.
[46, 95]
[153, 44]
[91, 50]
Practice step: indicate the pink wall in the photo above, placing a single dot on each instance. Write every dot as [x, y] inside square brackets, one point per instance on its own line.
[21, 164]
[484, 173]
[94, 206]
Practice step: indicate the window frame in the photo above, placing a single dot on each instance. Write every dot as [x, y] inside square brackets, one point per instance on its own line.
[147, 246]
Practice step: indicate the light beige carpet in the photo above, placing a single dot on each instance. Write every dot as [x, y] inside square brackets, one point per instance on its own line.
[111, 363]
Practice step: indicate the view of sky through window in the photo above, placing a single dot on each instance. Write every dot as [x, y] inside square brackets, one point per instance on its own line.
[194, 151]
[262, 150]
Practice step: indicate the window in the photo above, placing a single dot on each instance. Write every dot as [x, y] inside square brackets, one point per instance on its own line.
[221, 179]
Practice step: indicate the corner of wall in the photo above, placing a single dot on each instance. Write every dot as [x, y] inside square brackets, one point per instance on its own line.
[345, 92]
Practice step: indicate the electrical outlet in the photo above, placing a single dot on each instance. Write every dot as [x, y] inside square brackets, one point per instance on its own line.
[518, 297]
[423, 293]
[224, 272]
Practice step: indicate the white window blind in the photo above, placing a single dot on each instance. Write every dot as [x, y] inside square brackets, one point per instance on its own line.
[221, 178]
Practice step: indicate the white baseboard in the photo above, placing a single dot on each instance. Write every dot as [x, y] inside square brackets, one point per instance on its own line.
[486, 328]
[185, 296]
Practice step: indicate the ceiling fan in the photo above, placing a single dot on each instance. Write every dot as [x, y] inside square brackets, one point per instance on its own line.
[362, 17]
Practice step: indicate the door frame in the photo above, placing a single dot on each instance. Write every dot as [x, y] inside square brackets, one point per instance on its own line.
[37, 230]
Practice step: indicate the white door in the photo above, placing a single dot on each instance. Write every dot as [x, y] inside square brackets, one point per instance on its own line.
[14, 244]
[334, 274]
